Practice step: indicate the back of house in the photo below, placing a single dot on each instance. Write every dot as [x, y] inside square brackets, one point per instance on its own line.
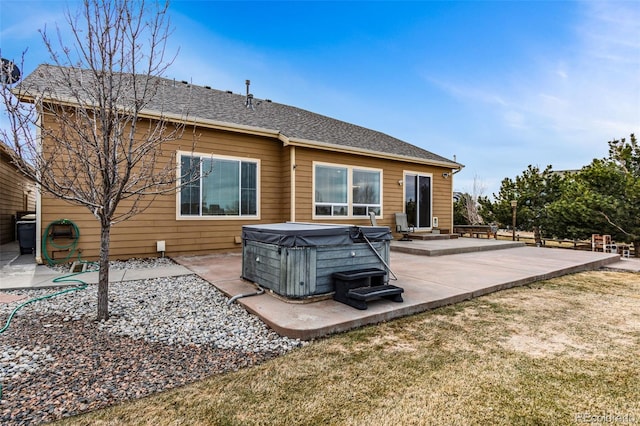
[257, 162]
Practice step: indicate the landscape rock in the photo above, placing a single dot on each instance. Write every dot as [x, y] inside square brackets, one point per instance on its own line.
[56, 360]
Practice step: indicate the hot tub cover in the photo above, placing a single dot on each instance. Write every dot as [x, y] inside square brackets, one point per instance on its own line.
[294, 234]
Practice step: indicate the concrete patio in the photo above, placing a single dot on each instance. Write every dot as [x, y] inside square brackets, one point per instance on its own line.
[432, 273]
[429, 280]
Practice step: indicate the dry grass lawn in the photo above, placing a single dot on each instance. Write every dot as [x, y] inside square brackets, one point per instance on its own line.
[556, 352]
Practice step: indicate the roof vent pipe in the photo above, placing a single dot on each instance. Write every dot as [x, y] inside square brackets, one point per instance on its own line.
[249, 102]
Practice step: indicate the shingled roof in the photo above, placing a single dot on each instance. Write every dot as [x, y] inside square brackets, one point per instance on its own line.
[217, 108]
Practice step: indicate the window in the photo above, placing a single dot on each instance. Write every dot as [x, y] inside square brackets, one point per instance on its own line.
[332, 195]
[218, 186]
[366, 192]
[331, 191]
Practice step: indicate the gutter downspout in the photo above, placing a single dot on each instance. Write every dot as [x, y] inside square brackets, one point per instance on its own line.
[292, 159]
[39, 195]
[453, 173]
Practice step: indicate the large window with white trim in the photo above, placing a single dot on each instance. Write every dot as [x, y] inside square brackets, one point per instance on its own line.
[346, 191]
[218, 186]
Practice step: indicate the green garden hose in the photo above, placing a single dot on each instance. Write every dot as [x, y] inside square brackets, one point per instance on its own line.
[71, 246]
[63, 279]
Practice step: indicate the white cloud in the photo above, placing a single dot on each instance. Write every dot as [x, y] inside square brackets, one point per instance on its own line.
[468, 93]
[515, 119]
[581, 100]
[26, 21]
[565, 104]
[610, 31]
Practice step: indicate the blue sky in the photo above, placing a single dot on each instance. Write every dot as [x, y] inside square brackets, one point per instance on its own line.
[500, 85]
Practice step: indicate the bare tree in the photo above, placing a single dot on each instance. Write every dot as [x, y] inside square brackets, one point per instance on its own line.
[78, 126]
[470, 203]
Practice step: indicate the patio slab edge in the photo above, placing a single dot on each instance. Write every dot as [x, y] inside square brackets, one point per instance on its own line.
[587, 266]
[422, 249]
[391, 311]
[372, 319]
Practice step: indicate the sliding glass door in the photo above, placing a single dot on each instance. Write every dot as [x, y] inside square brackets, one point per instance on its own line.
[417, 199]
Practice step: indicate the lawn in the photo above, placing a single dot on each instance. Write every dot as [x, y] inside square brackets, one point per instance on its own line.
[562, 351]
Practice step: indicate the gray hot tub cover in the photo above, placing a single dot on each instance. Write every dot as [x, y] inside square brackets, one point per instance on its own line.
[294, 234]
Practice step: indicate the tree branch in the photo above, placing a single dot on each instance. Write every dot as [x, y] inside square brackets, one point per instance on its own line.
[614, 225]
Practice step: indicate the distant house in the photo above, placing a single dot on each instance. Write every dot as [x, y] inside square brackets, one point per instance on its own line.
[17, 194]
[270, 163]
[565, 173]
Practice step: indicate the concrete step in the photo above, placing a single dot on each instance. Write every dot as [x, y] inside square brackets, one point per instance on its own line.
[428, 236]
[441, 247]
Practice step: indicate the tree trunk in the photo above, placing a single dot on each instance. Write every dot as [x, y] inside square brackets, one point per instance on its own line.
[103, 277]
[636, 248]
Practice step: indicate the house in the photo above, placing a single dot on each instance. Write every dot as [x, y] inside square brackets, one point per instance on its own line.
[267, 163]
[17, 194]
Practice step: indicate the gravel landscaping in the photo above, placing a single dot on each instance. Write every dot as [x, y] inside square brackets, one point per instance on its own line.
[56, 360]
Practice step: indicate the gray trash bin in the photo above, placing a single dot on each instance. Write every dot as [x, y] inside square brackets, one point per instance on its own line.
[26, 236]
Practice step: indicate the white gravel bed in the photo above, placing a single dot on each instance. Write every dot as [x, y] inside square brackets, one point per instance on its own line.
[133, 263]
[184, 310]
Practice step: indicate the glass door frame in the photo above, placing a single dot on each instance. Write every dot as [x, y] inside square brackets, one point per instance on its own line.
[415, 176]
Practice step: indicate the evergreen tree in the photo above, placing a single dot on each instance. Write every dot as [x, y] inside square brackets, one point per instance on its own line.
[604, 197]
[533, 191]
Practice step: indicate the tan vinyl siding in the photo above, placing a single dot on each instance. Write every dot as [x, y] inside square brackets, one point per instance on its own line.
[137, 236]
[393, 171]
[17, 193]
[443, 199]
[286, 171]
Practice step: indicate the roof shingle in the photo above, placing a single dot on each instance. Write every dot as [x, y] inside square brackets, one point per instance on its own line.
[210, 105]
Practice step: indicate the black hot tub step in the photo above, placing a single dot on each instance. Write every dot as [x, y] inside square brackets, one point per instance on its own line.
[355, 288]
[359, 274]
[388, 291]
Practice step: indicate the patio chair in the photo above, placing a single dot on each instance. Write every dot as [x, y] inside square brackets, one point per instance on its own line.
[372, 216]
[402, 226]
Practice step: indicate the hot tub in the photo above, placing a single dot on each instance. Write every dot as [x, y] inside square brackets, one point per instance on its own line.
[296, 260]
